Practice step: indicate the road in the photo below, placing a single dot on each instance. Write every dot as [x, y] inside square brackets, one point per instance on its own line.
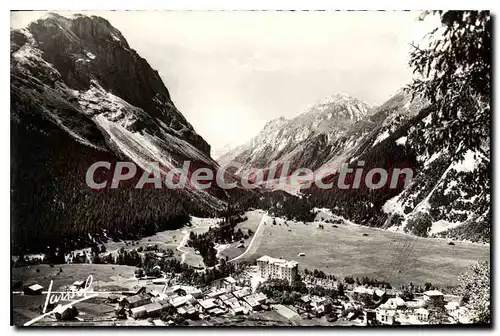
[259, 229]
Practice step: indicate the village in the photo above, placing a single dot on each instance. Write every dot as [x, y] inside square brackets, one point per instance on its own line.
[270, 292]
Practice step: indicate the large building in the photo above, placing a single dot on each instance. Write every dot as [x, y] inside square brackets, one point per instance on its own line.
[272, 268]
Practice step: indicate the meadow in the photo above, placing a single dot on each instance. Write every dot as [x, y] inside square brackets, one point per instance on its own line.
[352, 250]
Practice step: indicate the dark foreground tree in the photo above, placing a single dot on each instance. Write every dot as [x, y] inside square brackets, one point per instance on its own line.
[454, 75]
[475, 291]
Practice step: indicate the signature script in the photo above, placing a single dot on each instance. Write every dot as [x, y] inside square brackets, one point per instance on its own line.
[75, 293]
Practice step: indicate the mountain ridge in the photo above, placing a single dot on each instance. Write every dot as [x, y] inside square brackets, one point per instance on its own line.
[80, 94]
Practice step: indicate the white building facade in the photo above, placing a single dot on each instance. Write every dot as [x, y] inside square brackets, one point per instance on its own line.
[272, 268]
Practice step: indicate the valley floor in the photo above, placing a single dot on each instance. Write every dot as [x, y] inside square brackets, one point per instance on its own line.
[352, 250]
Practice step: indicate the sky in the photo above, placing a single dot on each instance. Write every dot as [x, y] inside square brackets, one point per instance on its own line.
[229, 72]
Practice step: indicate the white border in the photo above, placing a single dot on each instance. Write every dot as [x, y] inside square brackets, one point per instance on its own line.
[194, 5]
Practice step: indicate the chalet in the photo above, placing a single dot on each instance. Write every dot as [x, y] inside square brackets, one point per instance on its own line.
[304, 303]
[386, 316]
[78, 284]
[207, 304]
[216, 311]
[242, 292]
[159, 323]
[233, 304]
[140, 290]
[153, 309]
[216, 293]
[320, 305]
[254, 301]
[65, 313]
[379, 292]
[451, 306]
[181, 300]
[186, 290]
[225, 297]
[35, 289]
[434, 298]
[422, 314]
[135, 301]
[394, 303]
[160, 281]
[361, 292]
[138, 312]
[187, 311]
[462, 315]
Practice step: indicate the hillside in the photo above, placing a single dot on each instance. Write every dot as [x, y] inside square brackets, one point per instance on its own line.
[80, 94]
[453, 190]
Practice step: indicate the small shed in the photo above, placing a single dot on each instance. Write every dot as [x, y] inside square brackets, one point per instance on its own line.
[35, 289]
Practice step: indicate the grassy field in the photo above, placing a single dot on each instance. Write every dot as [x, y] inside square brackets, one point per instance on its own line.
[169, 239]
[252, 223]
[351, 250]
[105, 278]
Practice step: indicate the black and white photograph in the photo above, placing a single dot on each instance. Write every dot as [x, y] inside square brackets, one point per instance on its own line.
[250, 168]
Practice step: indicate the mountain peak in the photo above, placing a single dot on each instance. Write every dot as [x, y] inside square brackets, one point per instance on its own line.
[273, 123]
[340, 106]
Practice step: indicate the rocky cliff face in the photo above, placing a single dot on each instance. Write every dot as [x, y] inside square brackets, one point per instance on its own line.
[80, 94]
[85, 51]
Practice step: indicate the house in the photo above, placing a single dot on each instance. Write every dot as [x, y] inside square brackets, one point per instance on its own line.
[135, 301]
[242, 292]
[181, 300]
[153, 309]
[304, 303]
[225, 297]
[451, 306]
[207, 304]
[234, 305]
[78, 284]
[415, 303]
[385, 316]
[394, 303]
[65, 313]
[227, 283]
[140, 290]
[422, 314]
[379, 292]
[159, 323]
[217, 293]
[186, 290]
[188, 311]
[216, 311]
[360, 292]
[160, 281]
[138, 312]
[434, 298]
[254, 301]
[35, 289]
[320, 305]
[462, 315]
[238, 310]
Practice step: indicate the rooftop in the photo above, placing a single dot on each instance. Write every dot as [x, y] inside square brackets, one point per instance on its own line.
[35, 287]
[433, 293]
[280, 262]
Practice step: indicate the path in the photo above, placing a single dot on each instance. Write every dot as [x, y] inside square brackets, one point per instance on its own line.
[183, 241]
[259, 228]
